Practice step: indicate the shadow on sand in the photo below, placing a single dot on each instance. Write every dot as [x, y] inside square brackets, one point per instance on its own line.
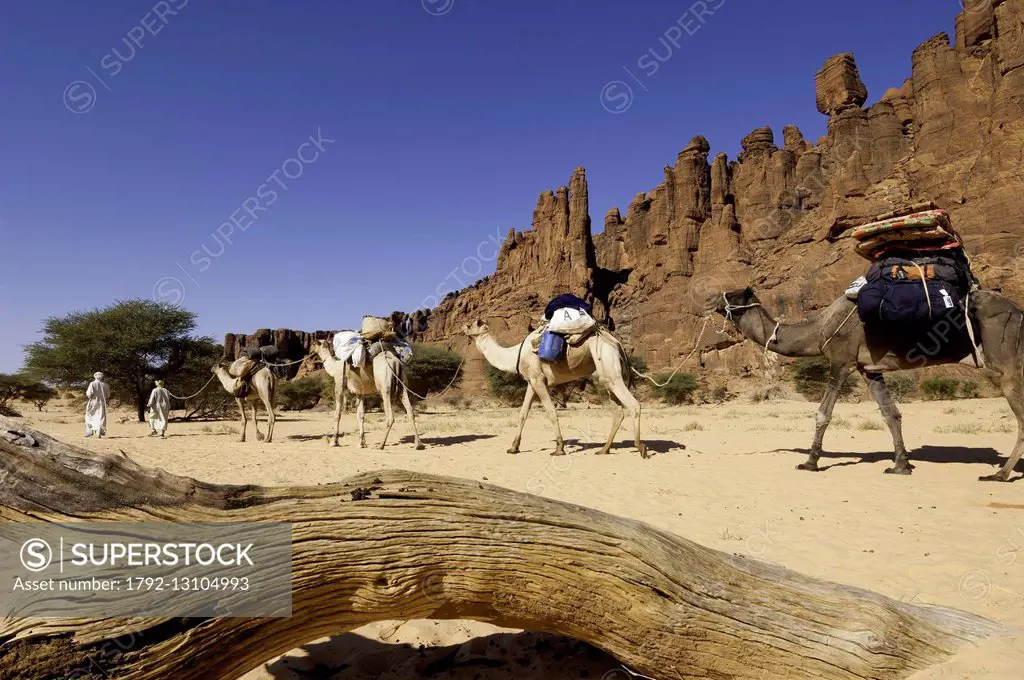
[447, 441]
[499, 656]
[653, 446]
[930, 454]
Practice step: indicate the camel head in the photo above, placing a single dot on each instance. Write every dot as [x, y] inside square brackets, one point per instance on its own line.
[475, 329]
[322, 346]
[732, 303]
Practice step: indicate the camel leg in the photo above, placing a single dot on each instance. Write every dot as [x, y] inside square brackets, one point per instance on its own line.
[339, 392]
[823, 417]
[629, 403]
[549, 405]
[241, 409]
[256, 422]
[523, 413]
[407, 404]
[618, 415]
[271, 417]
[385, 391]
[360, 418]
[893, 419]
[1014, 393]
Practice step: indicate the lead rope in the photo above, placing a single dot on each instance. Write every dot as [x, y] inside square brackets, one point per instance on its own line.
[696, 346]
[212, 378]
[836, 332]
[979, 358]
[924, 282]
[407, 389]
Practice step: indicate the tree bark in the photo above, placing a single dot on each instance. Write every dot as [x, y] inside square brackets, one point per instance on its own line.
[404, 545]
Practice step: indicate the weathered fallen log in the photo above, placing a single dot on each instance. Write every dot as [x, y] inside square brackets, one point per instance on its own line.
[404, 545]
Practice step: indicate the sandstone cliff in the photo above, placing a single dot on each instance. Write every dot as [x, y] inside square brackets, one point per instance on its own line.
[775, 217]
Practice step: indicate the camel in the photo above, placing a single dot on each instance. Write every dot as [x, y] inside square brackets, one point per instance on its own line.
[838, 334]
[599, 354]
[384, 375]
[265, 383]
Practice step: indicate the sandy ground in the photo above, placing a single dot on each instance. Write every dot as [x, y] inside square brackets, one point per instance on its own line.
[724, 476]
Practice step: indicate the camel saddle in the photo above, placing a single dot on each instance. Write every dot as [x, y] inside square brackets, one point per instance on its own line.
[573, 340]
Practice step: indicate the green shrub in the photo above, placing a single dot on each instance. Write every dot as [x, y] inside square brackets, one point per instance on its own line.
[969, 390]
[940, 388]
[903, 386]
[301, 393]
[678, 390]
[638, 363]
[812, 375]
[431, 369]
[507, 387]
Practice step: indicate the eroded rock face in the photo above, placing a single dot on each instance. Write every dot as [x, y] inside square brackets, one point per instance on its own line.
[775, 217]
[838, 85]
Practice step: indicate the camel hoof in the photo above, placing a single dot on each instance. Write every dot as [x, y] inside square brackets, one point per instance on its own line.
[513, 451]
[603, 452]
[998, 477]
[809, 467]
[420, 447]
[558, 453]
[644, 453]
[901, 470]
[259, 437]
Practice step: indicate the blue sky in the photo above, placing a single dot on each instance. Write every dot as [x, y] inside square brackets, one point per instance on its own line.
[135, 130]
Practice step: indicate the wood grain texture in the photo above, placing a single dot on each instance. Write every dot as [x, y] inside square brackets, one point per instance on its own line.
[404, 545]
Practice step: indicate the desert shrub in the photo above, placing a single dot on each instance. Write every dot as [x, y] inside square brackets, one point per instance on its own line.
[717, 395]
[638, 363]
[678, 390]
[301, 393]
[903, 386]
[812, 375]
[507, 387]
[969, 390]
[431, 369]
[456, 400]
[940, 388]
[764, 394]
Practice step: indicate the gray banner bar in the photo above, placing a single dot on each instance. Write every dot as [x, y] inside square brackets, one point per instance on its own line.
[160, 569]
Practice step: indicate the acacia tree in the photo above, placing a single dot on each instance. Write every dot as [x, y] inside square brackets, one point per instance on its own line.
[133, 342]
[24, 387]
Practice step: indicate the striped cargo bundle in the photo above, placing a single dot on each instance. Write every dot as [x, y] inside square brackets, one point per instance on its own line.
[929, 230]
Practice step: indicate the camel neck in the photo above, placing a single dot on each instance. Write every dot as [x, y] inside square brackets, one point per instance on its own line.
[502, 358]
[225, 378]
[790, 340]
[327, 359]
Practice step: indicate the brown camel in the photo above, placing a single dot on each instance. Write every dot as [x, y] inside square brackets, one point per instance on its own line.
[384, 375]
[838, 334]
[600, 354]
[263, 387]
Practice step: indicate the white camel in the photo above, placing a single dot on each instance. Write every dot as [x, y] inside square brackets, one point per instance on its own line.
[599, 354]
[384, 375]
[262, 387]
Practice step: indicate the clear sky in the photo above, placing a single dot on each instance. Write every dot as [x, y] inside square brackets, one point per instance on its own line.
[131, 134]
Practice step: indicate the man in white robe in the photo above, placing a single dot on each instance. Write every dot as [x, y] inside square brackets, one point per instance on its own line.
[96, 407]
[159, 409]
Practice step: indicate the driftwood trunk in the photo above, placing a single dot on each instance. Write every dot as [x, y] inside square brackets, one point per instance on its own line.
[403, 545]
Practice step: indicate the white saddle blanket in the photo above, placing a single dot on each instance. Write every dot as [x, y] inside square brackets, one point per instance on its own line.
[348, 346]
[569, 320]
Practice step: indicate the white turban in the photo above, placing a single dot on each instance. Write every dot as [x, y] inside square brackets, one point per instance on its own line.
[98, 375]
